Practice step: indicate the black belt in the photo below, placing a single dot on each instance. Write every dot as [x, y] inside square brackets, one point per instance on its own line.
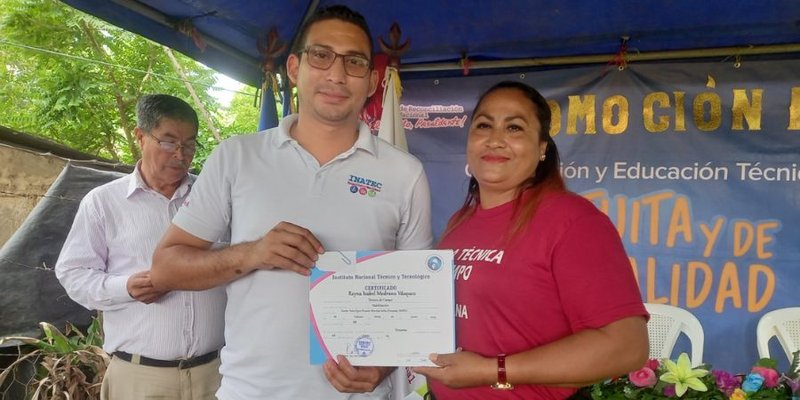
[180, 364]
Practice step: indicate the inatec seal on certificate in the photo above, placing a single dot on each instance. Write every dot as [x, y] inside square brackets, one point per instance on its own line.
[364, 346]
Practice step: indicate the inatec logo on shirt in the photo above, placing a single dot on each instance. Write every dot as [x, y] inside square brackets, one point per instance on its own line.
[363, 186]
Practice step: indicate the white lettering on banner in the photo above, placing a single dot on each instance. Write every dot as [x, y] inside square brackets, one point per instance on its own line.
[695, 172]
[639, 171]
[601, 173]
[755, 172]
[412, 111]
[571, 171]
[419, 117]
[439, 122]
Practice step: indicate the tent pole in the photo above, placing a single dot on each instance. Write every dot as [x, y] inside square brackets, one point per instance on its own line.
[605, 58]
[163, 19]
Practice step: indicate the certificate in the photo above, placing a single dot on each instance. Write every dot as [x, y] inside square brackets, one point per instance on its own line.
[385, 308]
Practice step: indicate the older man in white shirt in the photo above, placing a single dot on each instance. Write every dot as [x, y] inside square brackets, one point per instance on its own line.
[164, 344]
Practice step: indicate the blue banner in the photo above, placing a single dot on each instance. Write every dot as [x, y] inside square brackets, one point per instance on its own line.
[695, 163]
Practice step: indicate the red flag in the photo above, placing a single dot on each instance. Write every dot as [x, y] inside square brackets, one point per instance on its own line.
[371, 113]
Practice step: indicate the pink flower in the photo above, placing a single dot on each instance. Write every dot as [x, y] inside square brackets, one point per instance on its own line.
[669, 390]
[652, 364]
[644, 377]
[770, 376]
[794, 384]
[725, 381]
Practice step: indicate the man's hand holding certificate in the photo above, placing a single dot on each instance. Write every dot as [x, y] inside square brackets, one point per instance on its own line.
[387, 308]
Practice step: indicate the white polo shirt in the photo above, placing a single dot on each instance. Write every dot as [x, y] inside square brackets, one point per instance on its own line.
[371, 197]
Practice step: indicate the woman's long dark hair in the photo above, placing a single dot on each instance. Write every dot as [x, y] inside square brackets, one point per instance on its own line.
[547, 176]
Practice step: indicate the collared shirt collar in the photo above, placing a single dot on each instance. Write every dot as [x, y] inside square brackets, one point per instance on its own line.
[366, 140]
[137, 183]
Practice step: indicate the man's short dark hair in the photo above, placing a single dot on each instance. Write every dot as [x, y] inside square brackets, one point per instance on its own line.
[151, 108]
[342, 13]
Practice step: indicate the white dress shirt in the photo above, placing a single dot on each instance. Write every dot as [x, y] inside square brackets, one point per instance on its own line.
[115, 232]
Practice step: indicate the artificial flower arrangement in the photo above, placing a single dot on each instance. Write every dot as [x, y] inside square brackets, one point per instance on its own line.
[667, 379]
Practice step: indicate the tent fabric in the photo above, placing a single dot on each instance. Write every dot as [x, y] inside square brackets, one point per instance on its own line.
[31, 292]
[448, 30]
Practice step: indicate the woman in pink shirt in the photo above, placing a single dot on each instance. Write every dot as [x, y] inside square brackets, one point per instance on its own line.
[547, 301]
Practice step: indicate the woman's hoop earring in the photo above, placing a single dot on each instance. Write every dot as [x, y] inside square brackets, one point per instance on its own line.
[466, 171]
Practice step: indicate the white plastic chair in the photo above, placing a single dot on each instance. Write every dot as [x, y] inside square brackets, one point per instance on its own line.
[665, 325]
[783, 323]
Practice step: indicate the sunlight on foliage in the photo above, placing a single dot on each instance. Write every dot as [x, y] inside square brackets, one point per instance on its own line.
[75, 79]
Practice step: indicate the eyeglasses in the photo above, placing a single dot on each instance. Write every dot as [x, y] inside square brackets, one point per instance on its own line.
[170, 147]
[322, 58]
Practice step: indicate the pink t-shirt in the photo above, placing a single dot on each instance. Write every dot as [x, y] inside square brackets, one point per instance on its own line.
[566, 272]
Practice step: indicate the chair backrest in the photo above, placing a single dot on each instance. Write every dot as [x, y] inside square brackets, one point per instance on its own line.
[783, 323]
[665, 325]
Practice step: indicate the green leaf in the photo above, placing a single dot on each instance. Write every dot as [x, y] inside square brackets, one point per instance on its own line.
[58, 340]
[794, 369]
[767, 362]
[94, 333]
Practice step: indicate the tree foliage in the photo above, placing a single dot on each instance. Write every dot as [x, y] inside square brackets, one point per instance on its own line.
[239, 117]
[75, 79]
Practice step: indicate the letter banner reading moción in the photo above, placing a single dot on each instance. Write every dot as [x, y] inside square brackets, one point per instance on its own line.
[695, 163]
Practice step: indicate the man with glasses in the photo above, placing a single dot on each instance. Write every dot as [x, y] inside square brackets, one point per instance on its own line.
[319, 181]
[164, 344]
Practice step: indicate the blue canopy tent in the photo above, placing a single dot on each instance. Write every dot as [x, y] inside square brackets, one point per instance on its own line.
[517, 33]
[546, 36]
